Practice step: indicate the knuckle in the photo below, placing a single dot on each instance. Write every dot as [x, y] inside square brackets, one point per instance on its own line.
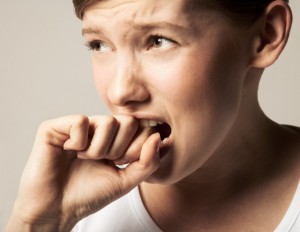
[43, 127]
[144, 166]
[110, 122]
[112, 156]
[130, 122]
[95, 153]
[91, 155]
[47, 135]
[79, 144]
[149, 166]
[134, 150]
[81, 120]
[45, 130]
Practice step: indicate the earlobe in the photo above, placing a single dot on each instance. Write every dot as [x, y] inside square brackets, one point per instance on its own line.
[271, 34]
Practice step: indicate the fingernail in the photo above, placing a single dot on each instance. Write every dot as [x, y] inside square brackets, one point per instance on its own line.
[121, 161]
[158, 147]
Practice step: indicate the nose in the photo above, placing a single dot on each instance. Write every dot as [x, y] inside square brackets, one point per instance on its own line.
[127, 86]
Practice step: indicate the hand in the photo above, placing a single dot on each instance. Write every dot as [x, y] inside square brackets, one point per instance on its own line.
[71, 174]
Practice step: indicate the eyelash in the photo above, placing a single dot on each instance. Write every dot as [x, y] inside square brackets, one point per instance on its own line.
[95, 45]
[150, 40]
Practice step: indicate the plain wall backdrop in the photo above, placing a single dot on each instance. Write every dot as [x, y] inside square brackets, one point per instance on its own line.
[45, 72]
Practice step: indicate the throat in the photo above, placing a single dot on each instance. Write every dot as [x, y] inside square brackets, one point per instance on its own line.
[175, 210]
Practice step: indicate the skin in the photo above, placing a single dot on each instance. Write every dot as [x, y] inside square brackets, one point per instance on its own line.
[225, 166]
[131, 79]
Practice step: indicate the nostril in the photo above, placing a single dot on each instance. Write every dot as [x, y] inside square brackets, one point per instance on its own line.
[126, 91]
[164, 130]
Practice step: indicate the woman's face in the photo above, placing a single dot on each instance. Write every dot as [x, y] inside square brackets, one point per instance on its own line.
[168, 61]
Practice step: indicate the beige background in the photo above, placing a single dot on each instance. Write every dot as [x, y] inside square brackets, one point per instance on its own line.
[45, 73]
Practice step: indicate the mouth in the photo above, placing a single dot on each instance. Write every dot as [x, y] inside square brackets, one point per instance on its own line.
[163, 128]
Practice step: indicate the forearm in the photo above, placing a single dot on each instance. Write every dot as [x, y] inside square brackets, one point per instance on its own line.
[16, 224]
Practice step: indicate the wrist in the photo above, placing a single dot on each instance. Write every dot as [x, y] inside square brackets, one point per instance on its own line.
[26, 222]
[16, 224]
[30, 219]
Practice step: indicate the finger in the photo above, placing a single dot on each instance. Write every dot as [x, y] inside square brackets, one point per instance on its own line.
[140, 170]
[69, 132]
[127, 129]
[103, 129]
[134, 149]
[48, 155]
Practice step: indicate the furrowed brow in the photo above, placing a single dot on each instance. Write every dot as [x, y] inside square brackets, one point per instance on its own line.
[160, 25]
[141, 27]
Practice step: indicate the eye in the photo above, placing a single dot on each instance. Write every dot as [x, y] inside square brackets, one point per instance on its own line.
[98, 46]
[160, 42]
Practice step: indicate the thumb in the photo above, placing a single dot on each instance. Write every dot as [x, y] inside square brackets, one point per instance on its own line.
[140, 170]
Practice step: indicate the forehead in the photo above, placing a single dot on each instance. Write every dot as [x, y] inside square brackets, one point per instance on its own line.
[141, 11]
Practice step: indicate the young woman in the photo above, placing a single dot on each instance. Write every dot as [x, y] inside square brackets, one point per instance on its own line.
[180, 78]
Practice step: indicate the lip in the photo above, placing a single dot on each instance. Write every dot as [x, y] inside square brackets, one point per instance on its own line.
[147, 116]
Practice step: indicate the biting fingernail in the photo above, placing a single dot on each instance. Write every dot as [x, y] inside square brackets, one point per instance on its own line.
[158, 146]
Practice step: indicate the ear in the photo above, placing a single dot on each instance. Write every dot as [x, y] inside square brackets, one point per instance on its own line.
[271, 34]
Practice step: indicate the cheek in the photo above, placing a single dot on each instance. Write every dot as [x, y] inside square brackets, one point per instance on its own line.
[101, 74]
[203, 94]
[101, 87]
[198, 83]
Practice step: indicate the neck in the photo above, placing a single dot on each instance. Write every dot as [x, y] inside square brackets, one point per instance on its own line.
[241, 176]
[250, 160]
[251, 152]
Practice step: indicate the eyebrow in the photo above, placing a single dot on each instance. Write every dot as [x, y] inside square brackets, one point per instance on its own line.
[141, 27]
[92, 30]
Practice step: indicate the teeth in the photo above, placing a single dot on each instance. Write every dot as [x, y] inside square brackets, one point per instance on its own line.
[152, 123]
[149, 123]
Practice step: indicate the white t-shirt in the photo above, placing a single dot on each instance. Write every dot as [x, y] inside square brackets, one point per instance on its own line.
[128, 214]
[291, 219]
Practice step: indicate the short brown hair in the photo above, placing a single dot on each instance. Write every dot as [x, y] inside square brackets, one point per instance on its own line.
[240, 12]
[81, 5]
